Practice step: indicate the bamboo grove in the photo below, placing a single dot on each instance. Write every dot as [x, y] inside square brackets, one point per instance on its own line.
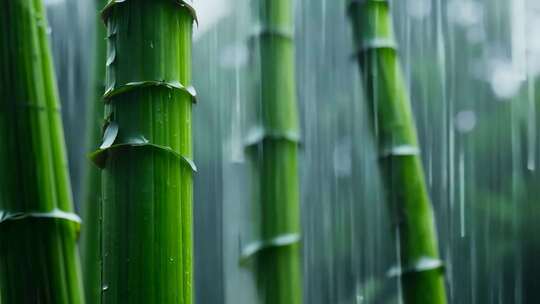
[137, 238]
[38, 229]
[420, 269]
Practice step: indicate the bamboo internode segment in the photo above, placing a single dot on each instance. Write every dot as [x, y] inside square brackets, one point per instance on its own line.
[420, 270]
[38, 229]
[273, 146]
[146, 153]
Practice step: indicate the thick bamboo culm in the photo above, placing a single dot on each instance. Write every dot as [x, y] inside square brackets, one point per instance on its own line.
[421, 270]
[273, 148]
[146, 153]
[38, 231]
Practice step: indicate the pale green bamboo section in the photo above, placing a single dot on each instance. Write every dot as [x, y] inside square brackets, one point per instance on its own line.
[274, 146]
[38, 231]
[146, 154]
[91, 230]
[420, 271]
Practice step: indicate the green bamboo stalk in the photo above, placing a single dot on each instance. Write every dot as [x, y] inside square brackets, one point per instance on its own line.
[91, 230]
[146, 153]
[38, 231]
[273, 147]
[420, 271]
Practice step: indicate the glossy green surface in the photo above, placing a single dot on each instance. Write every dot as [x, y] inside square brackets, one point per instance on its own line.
[274, 151]
[91, 229]
[146, 154]
[38, 231]
[421, 270]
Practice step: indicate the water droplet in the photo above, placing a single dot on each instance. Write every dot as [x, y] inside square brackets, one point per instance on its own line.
[465, 12]
[234, 55]
[465, 121]
[419, 9]
[505, 79]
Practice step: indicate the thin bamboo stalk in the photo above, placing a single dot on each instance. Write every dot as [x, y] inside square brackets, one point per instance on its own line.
[91, 230]
[38, 231]
[273, 147]
[420, 271]
[146, 153]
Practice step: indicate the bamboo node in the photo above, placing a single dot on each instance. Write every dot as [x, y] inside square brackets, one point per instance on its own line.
[99, 157]
[423, 264]
[259, 134]
[376, 44]
[360, 3]
[265, 30]
[130, 86]
[106, 11]
[401, 150]
[278, 241]
[55, 214]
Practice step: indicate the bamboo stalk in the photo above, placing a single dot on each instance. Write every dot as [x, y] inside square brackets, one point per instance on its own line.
[420, 270]
[273, 147]
[91, 231]
[146, 153]
[38, 231]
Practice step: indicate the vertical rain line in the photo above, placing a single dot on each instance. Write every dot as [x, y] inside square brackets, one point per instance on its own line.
[273, 148]
[38, 229]
[531, 126]
[421, 271]
[462, 191]
[146, 153]
[531, 91]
